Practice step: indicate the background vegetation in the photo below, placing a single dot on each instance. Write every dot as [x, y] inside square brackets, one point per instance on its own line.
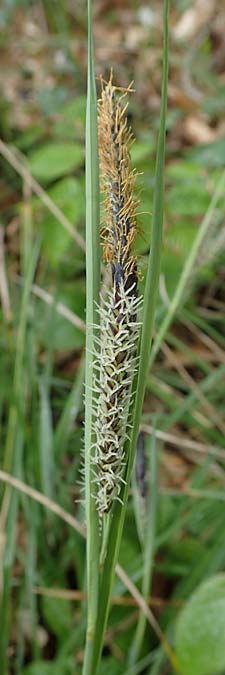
[42, 285]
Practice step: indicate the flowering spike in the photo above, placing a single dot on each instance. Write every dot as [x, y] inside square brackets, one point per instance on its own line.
[116, 349]
[118, 180]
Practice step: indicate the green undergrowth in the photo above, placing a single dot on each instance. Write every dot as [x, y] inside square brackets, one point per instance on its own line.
[41, 390]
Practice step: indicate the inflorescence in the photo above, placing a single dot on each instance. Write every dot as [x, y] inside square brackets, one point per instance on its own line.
[116, 346]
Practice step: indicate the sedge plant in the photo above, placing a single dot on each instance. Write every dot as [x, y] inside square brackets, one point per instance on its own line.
[119, 333]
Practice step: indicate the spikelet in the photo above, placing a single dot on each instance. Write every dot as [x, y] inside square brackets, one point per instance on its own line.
[116, 353]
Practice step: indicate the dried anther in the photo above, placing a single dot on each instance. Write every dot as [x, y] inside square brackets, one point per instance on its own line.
[118, 180]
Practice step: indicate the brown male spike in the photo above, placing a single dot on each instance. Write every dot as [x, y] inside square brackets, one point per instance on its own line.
[118, 181]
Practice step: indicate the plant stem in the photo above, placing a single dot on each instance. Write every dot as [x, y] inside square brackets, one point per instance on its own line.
[92, 286]
[148, 549]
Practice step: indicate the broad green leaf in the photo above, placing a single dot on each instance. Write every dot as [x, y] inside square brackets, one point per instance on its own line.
[47, 668]
[200, 630]
[142, 150]
[65, 334]
[129, 551]
[215, 103]
[212, 154]
[55, 159]
[185, 170]
[68, 194]
[29, 136]
[69, 197]
[180, 237]
[188, 199]
[51, 100]
[40, 667]
[110, 666]
[58, 615]
[187, 550]
[71, 121]
[172, 264]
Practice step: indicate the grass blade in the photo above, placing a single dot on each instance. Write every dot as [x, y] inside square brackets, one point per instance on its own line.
[12, 457]
[188, 268]
[92, 285]
[46, 440]
[70, 411]
[148, 548]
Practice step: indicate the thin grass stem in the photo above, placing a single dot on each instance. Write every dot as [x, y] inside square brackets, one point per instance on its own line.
[148, 548]
[188, 269]
[92, 297]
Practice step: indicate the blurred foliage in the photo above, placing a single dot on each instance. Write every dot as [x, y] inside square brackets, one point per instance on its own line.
[42, 101]
[205, 609]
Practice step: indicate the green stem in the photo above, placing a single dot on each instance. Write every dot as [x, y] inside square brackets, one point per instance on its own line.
[148, 550]
[105, 535]
[92, 286]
